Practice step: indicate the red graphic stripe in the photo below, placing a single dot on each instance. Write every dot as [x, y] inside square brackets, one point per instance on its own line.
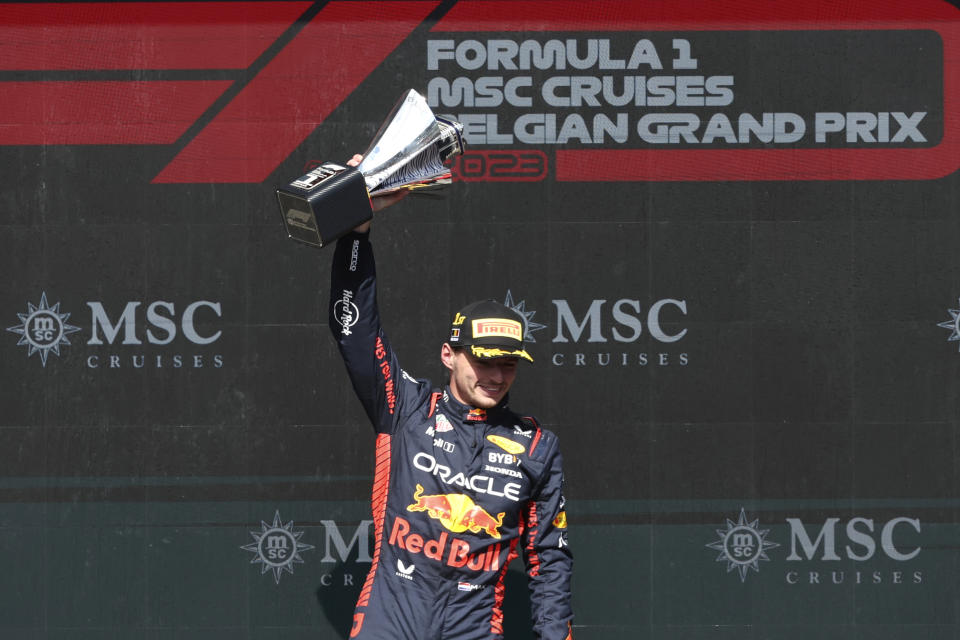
[378, 507]
[614, 165]
[689, 15]
[434, 398]
[536, 440]
[38, 113]
[297, 91]
[499, 590]
[140, 35]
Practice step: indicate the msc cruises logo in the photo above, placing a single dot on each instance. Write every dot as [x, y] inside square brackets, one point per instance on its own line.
[140, 336]
[277, 547]
[610, 332]
[43, 329]
[868, 552]
[742, 545]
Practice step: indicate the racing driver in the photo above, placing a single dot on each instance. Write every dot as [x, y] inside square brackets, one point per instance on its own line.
[462, 484]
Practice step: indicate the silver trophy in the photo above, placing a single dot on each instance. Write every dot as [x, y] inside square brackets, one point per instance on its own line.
[408, 152]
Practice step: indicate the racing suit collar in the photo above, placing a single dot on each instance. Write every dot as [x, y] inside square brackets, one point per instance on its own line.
[470, 414]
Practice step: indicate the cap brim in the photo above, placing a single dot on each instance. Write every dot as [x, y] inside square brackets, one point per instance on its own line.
[497, 352]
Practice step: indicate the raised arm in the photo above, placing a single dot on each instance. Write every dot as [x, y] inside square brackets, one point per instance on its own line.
[355, 322]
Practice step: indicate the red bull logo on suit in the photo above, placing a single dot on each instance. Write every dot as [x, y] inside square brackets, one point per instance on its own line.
[457, 512]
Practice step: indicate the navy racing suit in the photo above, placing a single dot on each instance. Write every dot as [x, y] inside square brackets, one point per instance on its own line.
[458, 491]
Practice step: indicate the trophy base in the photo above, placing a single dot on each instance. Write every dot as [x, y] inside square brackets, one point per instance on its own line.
[325, 204]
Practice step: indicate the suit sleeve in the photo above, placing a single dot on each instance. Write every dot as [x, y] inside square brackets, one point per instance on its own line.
[354, 319]
[547, 555]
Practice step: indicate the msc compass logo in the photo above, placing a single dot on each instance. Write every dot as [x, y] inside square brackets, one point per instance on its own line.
[521, 308]
[43, 328]
[742, 546]
[953, 324]
[276, 547]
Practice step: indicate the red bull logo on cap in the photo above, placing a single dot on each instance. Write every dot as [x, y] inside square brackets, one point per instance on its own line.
[457, 512]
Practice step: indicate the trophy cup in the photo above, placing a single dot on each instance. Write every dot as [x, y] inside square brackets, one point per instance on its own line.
[408, 152]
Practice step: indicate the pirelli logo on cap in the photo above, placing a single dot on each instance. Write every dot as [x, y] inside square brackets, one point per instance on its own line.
[497, 328]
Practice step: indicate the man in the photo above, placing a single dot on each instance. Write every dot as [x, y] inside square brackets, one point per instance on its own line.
[462, 484]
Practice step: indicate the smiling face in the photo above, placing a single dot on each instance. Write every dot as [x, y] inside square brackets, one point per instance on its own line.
[478, 382]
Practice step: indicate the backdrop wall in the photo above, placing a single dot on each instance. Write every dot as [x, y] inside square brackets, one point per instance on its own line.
[732, 226]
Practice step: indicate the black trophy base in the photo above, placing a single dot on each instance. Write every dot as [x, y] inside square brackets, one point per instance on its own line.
[325, 204]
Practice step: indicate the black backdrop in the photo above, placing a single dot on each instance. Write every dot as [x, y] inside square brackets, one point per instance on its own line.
[731, 225]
